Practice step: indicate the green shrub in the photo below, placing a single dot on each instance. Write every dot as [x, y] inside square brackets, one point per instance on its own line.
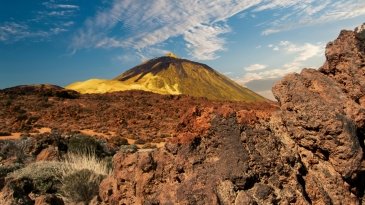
[44, 176]
[19, 149]
[149, 146]
[5, 133]
[76, 179]
[140, 141]
[118, 141]
[84, 145]
[81, 186]
[5, 170]
[165, 135]
[81, 176]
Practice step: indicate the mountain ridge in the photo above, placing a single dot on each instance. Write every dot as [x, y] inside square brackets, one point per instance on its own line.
[172, 75]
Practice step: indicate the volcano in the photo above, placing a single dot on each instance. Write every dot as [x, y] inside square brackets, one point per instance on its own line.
[172, 75]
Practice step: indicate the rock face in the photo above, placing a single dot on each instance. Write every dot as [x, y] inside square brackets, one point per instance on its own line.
[309, 152]
[322, 116]
[231, 164]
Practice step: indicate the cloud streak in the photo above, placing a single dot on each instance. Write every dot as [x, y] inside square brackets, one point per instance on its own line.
[302, 53]
[202, 24]
[255, 67]
[310, 12]
[12, 31]
[50, 20]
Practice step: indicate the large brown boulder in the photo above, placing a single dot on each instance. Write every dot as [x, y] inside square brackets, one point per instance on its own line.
[346, 64]
[323, 116]
[231, 164]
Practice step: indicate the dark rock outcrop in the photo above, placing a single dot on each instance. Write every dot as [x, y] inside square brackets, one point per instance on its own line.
[309, 152]
[231, 164]
[322, 117]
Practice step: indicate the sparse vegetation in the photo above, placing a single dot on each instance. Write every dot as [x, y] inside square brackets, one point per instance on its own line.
[74, 162]
[140, 141]
[128, 148]
[149, 146]
[81, 186]
[76, 178]
[44, 176]
[5, 170]
[83, 145]
[118, 141]
[4, 133]
[18, 149]
[84, 174]
[165, 135]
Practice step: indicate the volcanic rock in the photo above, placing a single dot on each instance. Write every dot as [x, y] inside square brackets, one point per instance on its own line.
[309, 152]
[322, 118]
[172, 75]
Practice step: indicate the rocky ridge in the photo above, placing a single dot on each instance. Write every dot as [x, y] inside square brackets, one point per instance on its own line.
[310, 152]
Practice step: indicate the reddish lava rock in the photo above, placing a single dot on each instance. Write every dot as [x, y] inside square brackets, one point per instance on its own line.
[309, 152]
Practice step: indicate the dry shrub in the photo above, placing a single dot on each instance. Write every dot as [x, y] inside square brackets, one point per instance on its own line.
[81, 176]
[44, 176]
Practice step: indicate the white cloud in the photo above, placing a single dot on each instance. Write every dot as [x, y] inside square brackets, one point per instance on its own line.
[16, 31]
[302, 53]
[309, 12]
[12, 31]
[201, 24]
[50, 20]
[203, 41]
[148, 23]
[255, 67]
[52, 5]
[61, 13]
[68, 23]
[275, 4]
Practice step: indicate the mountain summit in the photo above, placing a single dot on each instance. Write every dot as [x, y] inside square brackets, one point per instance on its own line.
[172, 75]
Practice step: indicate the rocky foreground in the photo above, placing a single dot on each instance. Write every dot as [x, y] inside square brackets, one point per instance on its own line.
[310, 151]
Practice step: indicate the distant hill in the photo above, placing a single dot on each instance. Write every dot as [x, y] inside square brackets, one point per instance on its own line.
[172, 75]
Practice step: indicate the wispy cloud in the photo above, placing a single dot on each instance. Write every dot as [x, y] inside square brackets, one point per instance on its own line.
[255, 67]
[301, 52]
[203, 41]
[12, 31]
[53, 5]
[300, 13]
[60, 13]
[50, 19]
[202, 24]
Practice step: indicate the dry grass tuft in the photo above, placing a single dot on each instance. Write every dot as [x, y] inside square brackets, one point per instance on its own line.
[75, 162]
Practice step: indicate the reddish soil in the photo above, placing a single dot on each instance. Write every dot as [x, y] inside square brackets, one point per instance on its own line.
[132, 114]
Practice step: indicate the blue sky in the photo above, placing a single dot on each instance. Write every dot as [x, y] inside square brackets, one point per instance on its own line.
[255, 42]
